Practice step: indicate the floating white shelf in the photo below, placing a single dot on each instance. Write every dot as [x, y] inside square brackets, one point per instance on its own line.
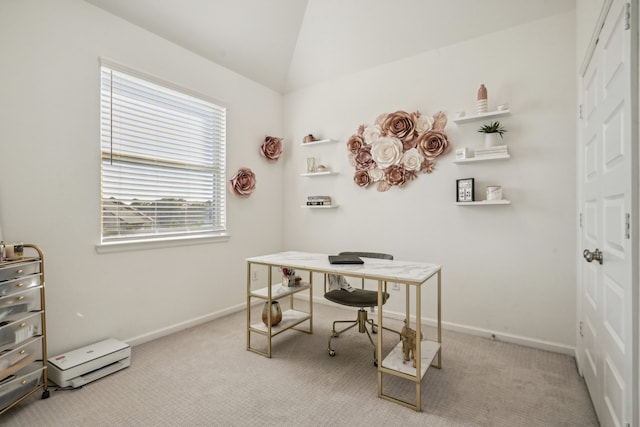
[485, 203]
[320, 141]
[483, 158]
[319, 173]
[319, 206]
[482, 116]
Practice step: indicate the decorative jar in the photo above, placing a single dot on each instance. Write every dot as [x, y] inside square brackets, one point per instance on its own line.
[494, 192]
[276, 313]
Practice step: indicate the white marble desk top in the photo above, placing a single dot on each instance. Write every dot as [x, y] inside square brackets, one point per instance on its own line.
[373, 268]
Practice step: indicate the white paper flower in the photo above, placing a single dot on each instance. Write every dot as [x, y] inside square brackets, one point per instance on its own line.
[412, 159]
[424, 124]
[376, 174]
[386, 151]
[371, 133]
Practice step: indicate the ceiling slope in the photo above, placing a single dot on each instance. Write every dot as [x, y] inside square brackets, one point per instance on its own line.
[287, 45]
[254, 38]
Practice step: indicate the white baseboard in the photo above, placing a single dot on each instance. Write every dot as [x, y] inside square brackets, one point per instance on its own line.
[511, 338]
[471, 330]
[159, 333]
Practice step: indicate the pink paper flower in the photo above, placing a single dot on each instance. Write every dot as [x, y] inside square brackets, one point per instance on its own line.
[362, 178]
[271, 148]
[432, 144]
[427, 166]
[395, 175]
[363, 159]
[355, 143]
[401, 125]
[243, 183]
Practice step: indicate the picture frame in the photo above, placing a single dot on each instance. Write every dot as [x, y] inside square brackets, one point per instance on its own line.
[465, 190]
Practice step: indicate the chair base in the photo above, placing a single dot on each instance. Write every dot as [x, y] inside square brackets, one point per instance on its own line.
[361, 322]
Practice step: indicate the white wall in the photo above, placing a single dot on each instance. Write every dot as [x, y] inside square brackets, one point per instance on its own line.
[509, 270]
[588, 12]
[49, 158]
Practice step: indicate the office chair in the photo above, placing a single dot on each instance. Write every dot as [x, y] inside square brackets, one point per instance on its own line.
[361, 298]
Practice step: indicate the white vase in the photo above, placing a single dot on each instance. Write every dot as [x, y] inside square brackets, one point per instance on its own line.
[491, 139]
[481, 106]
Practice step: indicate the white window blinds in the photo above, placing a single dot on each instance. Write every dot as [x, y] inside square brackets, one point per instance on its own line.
[163, 160]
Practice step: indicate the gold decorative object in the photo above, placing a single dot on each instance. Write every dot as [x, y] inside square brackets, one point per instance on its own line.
[276, 313]
[408, 337]
[308, 138]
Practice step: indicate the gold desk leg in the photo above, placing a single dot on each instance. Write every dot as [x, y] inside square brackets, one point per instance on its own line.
[379, 346]
[248, 305]
[311, 301]
[269, 284]
[418, 356]
[439, 326]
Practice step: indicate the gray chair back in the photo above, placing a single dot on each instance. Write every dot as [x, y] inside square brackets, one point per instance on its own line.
[368, 255]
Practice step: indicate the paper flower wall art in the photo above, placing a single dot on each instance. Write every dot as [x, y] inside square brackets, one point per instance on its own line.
[271, 148]
[396, 147]
[243, 183]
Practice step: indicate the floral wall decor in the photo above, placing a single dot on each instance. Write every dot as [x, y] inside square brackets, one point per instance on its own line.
[243, 183]
[396, 147]
[271, 148]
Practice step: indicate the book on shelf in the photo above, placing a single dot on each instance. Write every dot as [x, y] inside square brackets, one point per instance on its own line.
[479, 156]
[319, 198]
[318, 203]
[494, 148]
[491, 151]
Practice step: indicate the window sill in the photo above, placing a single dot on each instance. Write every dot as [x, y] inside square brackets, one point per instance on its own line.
[140, 245]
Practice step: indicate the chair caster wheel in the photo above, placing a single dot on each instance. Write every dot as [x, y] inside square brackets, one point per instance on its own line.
[374, 330]
[332, 353]
[335, 334]
[375, 363]
[45, 394]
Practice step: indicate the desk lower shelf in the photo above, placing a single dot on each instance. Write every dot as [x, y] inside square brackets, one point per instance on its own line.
[290, 318]
[395, 359]
[279, 291]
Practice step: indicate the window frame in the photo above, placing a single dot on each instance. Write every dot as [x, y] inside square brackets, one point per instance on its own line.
[218, 228]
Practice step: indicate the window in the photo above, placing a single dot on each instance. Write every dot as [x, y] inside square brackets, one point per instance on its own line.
[163, 160]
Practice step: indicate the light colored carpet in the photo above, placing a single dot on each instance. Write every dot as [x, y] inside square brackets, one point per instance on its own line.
[204, 376]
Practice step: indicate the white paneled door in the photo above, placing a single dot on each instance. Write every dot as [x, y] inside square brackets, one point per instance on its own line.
[608, 296]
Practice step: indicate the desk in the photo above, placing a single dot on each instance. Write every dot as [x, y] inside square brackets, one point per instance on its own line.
[411, 274]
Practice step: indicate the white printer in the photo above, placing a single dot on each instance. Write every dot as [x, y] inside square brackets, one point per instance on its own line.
[81, 366]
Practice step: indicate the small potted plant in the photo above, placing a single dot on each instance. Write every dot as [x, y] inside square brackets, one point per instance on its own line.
[491, 132]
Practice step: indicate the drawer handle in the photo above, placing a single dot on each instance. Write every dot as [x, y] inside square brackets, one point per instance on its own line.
[20, 285]
[22, 351]
[20, 271]
[23, 324]
[23, 382]
[21, 297]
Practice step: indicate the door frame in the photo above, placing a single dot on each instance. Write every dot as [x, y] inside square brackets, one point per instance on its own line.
[634, 203]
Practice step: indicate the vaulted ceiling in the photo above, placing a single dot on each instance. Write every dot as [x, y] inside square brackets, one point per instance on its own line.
[290, 44]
